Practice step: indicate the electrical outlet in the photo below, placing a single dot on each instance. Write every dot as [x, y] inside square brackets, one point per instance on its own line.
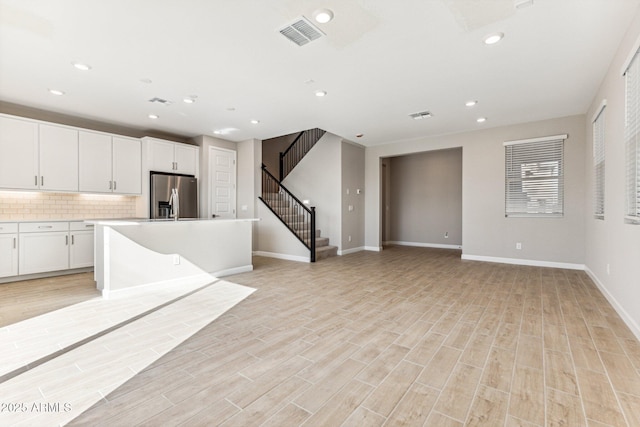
[446, 234]
[349, 238]
[608, 269]
[350, 208]
[176, 259]
[518, 246]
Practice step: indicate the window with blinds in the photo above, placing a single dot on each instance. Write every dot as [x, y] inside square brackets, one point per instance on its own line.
[534, 173]
[632, 141]
[598, 164]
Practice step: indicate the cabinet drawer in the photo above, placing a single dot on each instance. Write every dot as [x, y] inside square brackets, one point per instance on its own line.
[39, 227]
[80, 226]
[8, 227]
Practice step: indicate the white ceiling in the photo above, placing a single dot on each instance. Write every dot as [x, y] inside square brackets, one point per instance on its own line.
[380, 61]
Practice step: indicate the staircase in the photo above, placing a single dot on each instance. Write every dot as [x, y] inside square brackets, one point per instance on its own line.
[299, 148]
[296, 222]
[298, 218]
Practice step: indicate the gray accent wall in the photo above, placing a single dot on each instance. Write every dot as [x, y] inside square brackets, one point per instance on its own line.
[271, 149]
[485, 230]
[612, 246]
[426, 198]
[352, 160]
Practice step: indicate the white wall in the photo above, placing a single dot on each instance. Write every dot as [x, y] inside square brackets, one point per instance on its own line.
[317, 179]
[249, 182]
[486, 232]
[204, 142]
[611, 241]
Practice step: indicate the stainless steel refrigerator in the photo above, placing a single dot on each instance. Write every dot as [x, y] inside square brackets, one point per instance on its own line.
[173, 195]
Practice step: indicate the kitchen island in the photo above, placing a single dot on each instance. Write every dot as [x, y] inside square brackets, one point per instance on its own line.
[132, 254]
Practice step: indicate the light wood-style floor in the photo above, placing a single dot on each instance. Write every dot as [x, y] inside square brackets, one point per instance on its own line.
[408, 336]
[29, 298]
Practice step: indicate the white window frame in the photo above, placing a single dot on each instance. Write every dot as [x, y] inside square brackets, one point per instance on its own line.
[599, 165]
[632, 141]
[534, 177]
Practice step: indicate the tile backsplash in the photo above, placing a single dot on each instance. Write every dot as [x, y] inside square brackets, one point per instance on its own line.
[20, 206]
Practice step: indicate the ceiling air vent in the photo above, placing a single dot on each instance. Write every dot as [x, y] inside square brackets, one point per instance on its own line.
[301, 31]
[160, 101]
[421, 115]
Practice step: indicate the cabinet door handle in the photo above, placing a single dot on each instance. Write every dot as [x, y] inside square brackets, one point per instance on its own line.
[73, 240]
[115, 185]
[42, 180]
[14, 242]
[36, 177]
[110, 185]
[66, 241]
[45, 226]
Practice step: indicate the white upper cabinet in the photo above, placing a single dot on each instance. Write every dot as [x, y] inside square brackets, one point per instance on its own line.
[110, 164]
[161, 156]
[58, 158]
[186, 159]
[95, 162]
[172, 157]
[127, 165]
[19, 154]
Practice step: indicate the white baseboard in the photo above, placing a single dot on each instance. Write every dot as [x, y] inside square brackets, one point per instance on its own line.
[373, 248]
[282, 256]
[423, 245]
[234, 270]
[628, 320]
[351, 251]
[189, 283]
[518, 261]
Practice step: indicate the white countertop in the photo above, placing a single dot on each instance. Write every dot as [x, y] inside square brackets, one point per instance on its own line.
[146, 221]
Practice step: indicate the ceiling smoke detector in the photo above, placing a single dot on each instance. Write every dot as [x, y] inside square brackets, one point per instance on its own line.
[301, 31]
[421, 115]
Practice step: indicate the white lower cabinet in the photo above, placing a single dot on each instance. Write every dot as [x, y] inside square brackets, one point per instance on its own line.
[81, 245]
[8, 250]
[42, 252]
[54, 246]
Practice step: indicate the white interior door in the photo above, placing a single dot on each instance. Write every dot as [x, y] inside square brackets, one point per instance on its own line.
[222, 183]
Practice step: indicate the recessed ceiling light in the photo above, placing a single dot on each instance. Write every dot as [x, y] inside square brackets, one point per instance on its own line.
[56, 92]
[521, 4]
[146, 81]
[481, 119]
[255, 122]
[470, 103]
[321, 93]
[322, 16]
[82, 67]
[153, 116]
[231, 109]
[217, 132]
[188, 100]
[493, 38]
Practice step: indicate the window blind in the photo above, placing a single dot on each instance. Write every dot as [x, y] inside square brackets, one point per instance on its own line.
[534, 173]
[632, 141]
[598, 164]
